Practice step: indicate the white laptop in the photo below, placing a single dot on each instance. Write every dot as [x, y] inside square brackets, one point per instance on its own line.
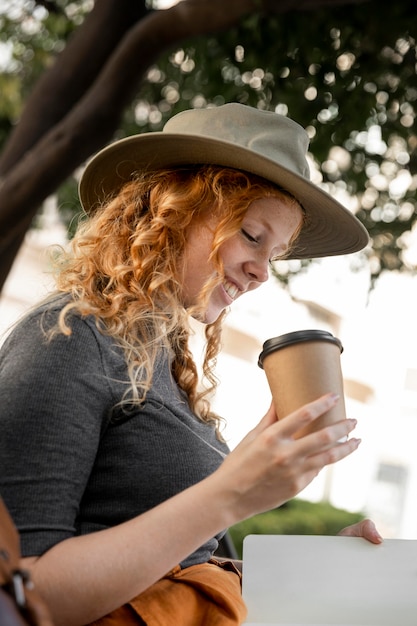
[338, 581]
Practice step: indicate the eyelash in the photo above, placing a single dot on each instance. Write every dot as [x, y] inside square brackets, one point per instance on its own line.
[249, 237]
[254, 240]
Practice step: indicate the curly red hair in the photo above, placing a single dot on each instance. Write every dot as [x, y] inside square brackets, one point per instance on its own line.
[124, 268]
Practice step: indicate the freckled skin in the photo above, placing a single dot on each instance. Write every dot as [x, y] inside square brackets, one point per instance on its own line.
[266, 231]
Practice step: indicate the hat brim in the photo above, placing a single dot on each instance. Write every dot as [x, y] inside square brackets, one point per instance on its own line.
[330, 228]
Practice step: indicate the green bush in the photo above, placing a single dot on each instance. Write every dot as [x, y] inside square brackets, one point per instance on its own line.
[296, 517]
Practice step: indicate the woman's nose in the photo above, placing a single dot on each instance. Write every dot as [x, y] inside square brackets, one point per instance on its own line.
[258, 270]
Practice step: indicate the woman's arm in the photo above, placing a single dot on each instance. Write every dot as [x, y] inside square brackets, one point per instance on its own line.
[85, 577]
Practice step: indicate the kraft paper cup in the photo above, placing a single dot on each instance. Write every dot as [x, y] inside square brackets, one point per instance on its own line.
[300, 367]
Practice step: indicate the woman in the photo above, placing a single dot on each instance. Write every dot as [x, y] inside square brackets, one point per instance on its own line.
[115, 470]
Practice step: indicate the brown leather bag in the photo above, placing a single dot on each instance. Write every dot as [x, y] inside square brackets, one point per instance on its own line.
[20, 604]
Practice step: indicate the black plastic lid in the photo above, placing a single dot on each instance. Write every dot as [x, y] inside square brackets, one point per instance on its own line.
[296, 337]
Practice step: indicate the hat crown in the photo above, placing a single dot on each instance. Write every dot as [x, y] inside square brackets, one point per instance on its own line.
[237, 136]
[266, 133]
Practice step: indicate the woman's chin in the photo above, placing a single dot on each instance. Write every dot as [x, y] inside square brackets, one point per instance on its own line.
[211, 315]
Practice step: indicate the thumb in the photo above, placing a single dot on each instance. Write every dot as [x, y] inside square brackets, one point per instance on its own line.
[366, 529]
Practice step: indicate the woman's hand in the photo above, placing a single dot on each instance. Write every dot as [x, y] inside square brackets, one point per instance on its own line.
[271, 465]
[268, 468]
[366, 529]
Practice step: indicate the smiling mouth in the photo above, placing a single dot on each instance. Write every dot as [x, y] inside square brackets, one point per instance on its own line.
[231, 290]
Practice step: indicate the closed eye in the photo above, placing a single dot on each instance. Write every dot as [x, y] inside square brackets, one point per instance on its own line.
[249, 237]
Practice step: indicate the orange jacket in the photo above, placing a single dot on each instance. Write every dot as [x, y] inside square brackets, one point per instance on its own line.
[209, 593]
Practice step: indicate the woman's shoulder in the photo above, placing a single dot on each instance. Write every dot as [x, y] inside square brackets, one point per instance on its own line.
[41, 325]
[38, 344]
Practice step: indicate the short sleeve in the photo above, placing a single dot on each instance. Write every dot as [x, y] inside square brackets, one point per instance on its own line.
[55, 401]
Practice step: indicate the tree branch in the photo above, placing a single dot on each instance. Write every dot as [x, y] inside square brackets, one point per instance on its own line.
[89, 124]
[74, 70]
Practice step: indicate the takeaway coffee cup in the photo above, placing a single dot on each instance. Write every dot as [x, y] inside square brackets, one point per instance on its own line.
[300, 367]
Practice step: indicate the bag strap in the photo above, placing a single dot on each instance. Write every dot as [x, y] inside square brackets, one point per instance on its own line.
[15, 580]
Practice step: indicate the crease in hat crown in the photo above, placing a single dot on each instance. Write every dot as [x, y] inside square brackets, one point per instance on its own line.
[242, 126]
[233, 135]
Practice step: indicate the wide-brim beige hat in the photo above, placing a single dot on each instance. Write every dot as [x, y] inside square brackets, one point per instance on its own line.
[241, 137]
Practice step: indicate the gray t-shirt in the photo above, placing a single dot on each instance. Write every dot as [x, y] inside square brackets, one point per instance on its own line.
[71, 460]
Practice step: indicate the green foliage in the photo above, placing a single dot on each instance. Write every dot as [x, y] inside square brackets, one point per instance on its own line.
[30, 38]
[69, 205]
[339, 71]
[296, 517]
